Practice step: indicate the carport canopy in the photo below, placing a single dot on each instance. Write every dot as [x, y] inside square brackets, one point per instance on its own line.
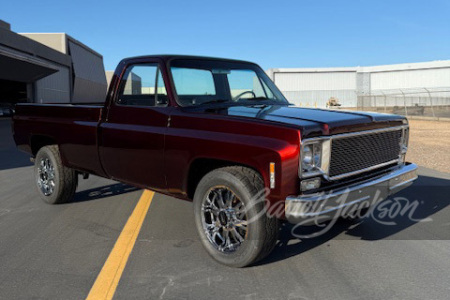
[22, 67]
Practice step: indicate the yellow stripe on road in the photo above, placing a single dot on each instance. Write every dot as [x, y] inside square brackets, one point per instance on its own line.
[106, 283]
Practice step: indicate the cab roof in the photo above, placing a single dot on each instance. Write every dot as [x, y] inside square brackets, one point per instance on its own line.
[168, 57]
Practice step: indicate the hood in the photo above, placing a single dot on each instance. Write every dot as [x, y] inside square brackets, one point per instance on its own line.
[314, 122]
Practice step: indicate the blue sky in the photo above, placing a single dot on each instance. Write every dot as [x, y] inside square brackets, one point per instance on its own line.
[272, 33]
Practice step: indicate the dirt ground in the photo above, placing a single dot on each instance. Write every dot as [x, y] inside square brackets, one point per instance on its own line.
[429, 144]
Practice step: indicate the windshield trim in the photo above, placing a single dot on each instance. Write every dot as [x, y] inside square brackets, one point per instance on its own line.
[225, 105]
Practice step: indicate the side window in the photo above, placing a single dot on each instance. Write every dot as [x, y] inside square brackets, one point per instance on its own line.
[142, 85]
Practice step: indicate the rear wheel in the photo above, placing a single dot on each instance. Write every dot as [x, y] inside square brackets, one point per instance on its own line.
[230, 216]
[55, 183]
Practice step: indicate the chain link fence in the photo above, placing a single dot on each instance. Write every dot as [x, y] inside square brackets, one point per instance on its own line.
[426, 102]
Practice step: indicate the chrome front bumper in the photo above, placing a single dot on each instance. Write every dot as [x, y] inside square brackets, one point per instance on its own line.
[316, 208]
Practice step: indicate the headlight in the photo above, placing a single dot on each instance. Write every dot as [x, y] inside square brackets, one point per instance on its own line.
[307, 156]
[315, 157]
[311, 156]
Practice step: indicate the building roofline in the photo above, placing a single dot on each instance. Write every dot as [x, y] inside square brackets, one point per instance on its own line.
[69, 38]
[371, 69]
[313, 70]
[168, 57]
[41, 33]
[22, 43]
[407, 66]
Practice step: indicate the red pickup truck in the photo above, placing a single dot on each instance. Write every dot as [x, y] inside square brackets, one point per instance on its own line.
[218, 132]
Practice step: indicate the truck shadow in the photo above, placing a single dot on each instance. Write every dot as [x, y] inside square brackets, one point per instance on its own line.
[10, 157]
[392, 222]
[103, 192]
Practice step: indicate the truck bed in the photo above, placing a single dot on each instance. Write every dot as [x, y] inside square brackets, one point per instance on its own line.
[73, 127]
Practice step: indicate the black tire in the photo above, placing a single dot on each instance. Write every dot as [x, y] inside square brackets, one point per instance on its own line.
[261, 234]
[65, 179]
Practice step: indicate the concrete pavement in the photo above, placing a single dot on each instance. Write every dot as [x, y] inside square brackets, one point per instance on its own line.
[56, 252]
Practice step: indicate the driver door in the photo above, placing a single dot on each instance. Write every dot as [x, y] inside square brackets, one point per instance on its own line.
[132, 136]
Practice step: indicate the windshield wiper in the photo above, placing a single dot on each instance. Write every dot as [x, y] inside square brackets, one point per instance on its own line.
[256, 98]
[215, 101]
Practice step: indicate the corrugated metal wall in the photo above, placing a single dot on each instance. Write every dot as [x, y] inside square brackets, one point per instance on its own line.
[316, 81]
[314, 89]
[54, 88]
[89, 83]
[409, 79]
[82, 80]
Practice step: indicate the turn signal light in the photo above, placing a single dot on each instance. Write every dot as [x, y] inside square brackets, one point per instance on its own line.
[272, 175]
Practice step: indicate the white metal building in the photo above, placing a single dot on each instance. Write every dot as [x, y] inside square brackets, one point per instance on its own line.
[314, 87]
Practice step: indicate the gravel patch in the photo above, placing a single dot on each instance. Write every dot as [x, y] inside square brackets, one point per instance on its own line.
[429, 144]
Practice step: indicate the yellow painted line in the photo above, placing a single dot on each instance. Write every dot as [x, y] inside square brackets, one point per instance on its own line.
[106, 283]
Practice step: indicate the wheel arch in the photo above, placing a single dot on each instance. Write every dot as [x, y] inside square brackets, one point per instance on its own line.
[38, 141]
[203, 165]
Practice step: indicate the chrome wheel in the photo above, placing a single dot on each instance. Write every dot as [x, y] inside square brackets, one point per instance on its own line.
[224, 219]
[46, 176]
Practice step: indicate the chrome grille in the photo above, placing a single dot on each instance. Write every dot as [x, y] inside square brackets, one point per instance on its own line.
[353, 153]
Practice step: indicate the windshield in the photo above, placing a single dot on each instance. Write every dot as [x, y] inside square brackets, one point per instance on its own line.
[199, 82]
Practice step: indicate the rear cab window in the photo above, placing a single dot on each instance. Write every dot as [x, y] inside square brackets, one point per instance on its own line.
[142, 85]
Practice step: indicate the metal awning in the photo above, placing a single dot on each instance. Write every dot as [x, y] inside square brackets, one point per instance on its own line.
[16, 66]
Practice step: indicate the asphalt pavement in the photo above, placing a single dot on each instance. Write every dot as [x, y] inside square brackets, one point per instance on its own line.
[57, 252]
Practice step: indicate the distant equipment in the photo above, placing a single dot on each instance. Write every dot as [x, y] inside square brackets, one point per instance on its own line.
[333, 102]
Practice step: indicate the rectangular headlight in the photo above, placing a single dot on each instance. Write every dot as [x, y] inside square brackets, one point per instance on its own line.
[315, 157]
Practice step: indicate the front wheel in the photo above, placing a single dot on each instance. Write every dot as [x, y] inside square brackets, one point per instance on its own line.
[55, 183]
[231, 219]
